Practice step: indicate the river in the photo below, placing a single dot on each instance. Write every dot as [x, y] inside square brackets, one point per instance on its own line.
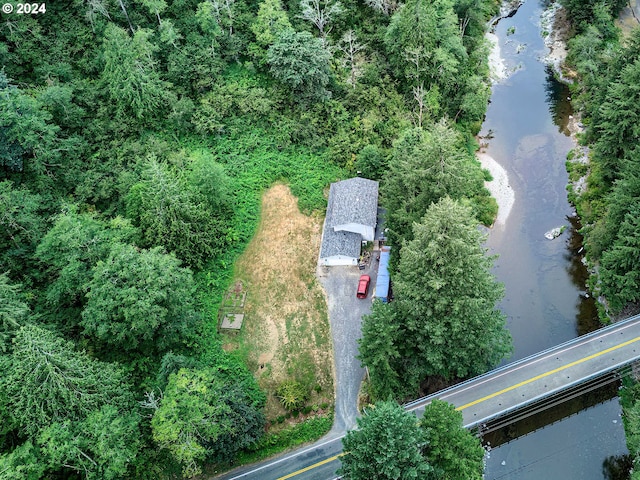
[525, 131]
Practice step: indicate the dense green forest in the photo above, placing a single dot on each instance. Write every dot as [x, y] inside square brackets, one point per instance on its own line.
[136, 137]
[606, 65]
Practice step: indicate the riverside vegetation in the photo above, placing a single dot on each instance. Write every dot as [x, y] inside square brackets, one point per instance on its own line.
[606, 65]
[136, 140]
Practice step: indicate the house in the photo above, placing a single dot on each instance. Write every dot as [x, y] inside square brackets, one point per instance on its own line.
[352, 212]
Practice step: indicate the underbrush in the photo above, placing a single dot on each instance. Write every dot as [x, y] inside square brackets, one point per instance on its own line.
[310, 430]
[254, 162]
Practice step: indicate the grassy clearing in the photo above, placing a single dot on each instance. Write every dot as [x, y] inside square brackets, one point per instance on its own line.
[285, 335]
[255, 160]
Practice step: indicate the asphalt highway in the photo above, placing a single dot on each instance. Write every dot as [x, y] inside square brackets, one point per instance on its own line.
[315, 462]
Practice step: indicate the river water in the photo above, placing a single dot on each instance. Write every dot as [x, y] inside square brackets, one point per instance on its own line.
[545, 302]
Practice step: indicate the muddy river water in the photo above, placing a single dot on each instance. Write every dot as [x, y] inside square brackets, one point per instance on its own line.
[545, 302]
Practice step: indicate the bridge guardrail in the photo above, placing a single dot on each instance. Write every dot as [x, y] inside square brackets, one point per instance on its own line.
[575, 341]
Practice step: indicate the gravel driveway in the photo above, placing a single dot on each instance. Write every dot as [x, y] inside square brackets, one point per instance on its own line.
[345, 317]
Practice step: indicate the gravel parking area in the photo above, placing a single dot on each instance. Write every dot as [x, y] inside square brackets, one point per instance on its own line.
[345, 317]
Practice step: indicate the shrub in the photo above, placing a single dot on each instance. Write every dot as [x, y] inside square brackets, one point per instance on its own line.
[292, 395]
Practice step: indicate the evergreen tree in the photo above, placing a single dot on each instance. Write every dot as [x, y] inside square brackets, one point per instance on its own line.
[453, 451]
[25, 462]
[386, 445]
[620, 265]
[614, 238]
[209, 179]
[618, 126]
[130, 75]
[21, 227]
[425, 166]
[45, 380]
[378, 350]
[450, 325]
[13, 311]
[171, 213]
[102, 446]
[28, 137]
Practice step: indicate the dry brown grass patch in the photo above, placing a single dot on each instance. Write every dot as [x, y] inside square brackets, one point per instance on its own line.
[285, 335]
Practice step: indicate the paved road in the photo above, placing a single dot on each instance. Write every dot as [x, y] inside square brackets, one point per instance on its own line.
[542, 375]
[322, 456]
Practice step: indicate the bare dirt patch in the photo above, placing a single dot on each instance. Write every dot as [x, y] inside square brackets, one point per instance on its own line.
[629, 18]
[285, 335]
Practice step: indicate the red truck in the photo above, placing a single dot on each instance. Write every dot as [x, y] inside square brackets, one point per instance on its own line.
[363, 286]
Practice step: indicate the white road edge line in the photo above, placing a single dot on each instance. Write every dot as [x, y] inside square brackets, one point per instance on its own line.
[295, 454]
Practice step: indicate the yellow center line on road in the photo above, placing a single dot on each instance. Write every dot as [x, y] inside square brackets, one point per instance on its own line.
[488, 397]
[311, 467]
[550, 372]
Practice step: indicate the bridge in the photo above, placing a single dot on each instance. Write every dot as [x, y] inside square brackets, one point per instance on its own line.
[496, 394]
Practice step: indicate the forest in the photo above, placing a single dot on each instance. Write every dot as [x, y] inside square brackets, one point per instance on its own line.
[605, 64]
[136, 138]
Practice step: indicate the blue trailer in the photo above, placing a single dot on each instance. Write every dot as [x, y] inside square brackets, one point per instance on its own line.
[383, 282]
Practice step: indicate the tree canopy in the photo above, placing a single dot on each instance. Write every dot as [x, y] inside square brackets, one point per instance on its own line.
[103, 446]
[207, 413]
[172, 213]
[68, 253]
[129, 73]
[454, 452]
[387, 444]
[13, 311]
[390, 443]
[444, 316]
[426, 165]
[28, 137]
[301, 63]
[447, 296]
[140, 302]
[619, 119]
[21, 226]
[48, 381]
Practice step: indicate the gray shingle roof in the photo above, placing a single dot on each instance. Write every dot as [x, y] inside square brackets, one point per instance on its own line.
[340, 243]
[350, 201]
[353, 201]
